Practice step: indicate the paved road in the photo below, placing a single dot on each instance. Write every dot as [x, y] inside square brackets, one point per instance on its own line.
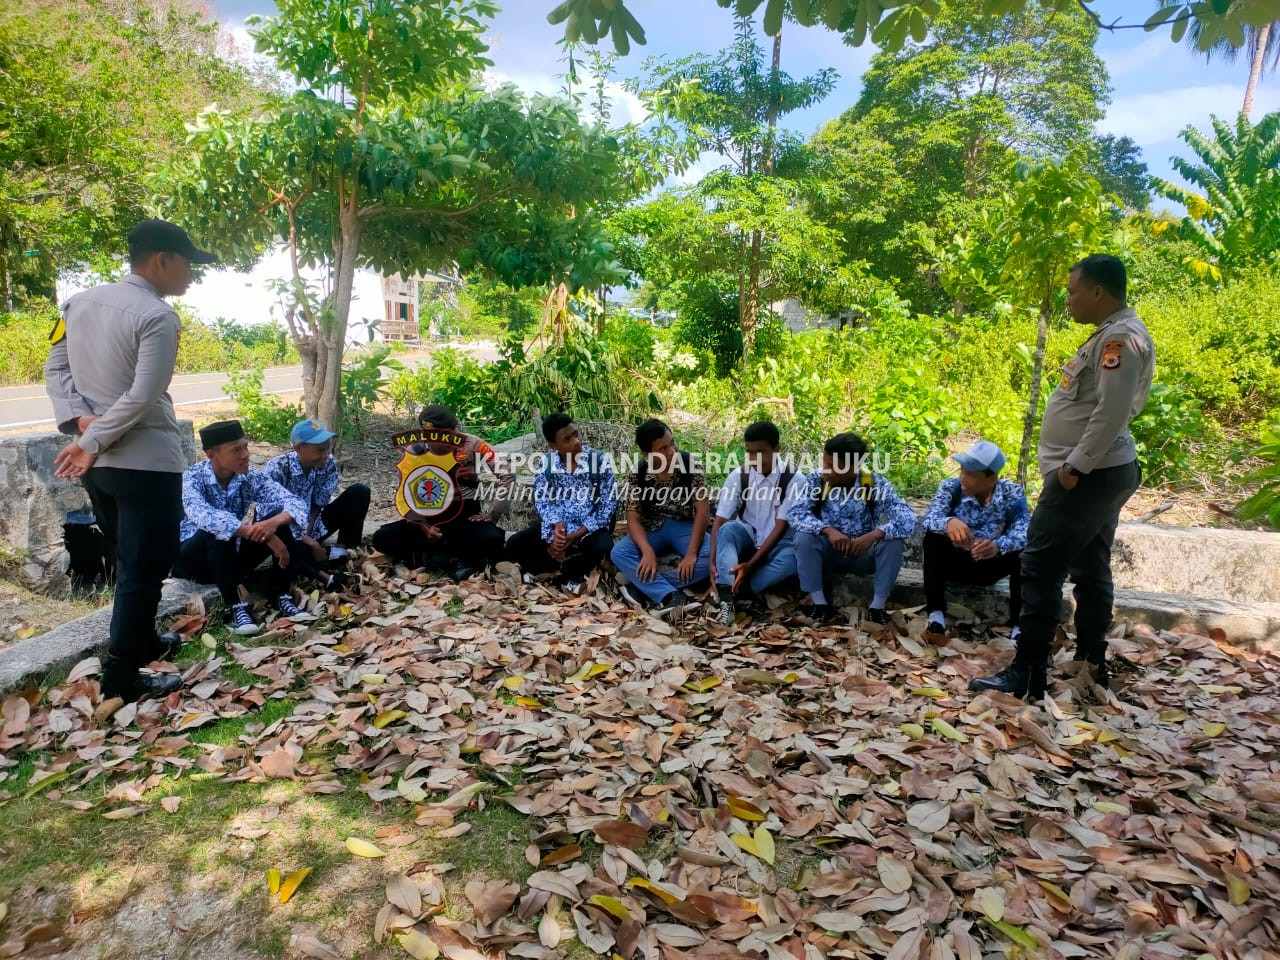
[27, 406]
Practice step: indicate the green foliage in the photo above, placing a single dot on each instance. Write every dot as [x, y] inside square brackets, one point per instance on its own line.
[1221, 343]
[391, 155]
[630, 340]
[1171, 417]
[889, 24]
[1265, 503]
[26, 342]
[266, 418]
[497, 399]
[494, 309]
[925, 151]
[1233, 203]
[93, 95]
[202, 348]
[363, 383]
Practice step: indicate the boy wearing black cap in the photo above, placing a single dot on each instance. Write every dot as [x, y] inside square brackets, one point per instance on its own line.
[310, 473]
[108, 374]
[471, 538]
[223, 539]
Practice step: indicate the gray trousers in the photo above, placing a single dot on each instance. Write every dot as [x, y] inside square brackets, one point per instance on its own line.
[817, 560]
[1071, 534]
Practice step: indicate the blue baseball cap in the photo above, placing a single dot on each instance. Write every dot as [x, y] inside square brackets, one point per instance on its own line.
[983, 455]
[309, 431]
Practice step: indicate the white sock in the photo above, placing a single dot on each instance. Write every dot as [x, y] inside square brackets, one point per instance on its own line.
[937, 616]
[1015, 633]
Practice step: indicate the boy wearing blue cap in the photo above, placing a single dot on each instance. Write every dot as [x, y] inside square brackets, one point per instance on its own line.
[975, 530]
[310, 473]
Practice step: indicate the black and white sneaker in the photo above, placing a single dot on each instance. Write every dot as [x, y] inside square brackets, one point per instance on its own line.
[571, 587]
[724, 613]
[877, 615]
[631, 596]
[241, 620]
[287, 607]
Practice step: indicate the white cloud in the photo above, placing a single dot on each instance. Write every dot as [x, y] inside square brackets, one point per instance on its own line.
[1128, 61]
[1157, 118]
[624, 106]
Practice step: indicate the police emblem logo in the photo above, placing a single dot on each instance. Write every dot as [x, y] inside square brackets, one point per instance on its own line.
[427, 492]
[1112, 351]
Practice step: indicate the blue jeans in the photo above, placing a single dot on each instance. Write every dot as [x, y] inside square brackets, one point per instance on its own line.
[815, 555]
[733, 540]
[672, 537]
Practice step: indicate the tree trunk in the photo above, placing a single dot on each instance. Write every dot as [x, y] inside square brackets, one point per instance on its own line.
[749, 312]
[1037, 373]
[1255, 67]
[333, 325]
[749, 309]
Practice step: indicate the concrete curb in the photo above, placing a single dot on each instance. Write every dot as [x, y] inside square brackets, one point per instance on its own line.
[65, 646]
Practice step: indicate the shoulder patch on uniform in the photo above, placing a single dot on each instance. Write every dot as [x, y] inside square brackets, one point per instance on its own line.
[1112, 351]
[59, 331]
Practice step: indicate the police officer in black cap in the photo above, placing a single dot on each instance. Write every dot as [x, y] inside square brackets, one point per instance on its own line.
[108, 376]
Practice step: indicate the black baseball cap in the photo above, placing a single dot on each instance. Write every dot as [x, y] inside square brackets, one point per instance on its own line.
[161, 236]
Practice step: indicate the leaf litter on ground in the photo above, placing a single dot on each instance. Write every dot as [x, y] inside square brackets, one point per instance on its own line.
[765, 791]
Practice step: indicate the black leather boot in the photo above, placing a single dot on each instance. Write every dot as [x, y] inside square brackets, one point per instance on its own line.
[119, 679]
[1021, 681]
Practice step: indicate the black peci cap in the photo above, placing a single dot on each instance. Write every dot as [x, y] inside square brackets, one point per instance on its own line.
[161, 236]
[223, 431]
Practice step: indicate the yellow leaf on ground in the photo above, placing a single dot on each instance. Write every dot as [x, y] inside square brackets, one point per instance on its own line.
[387, 717]
[273, 880]
[292, 883]
[1237, 887]
[937, 693]
[764, 844]
[703, 685]
[645, 884]
[990, 901]
[744, 810]
[610, 905]
[529, 703]
[1016, 934]
[746, 842]
[419, 946]
[912, 730]
[942, 728]
[363, 848]
[513, 683]
[208, 641]
[1214, 729]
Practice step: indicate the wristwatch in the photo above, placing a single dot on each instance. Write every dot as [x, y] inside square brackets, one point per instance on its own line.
[1069, 470]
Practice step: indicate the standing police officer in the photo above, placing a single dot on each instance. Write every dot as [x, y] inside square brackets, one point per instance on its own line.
[1090, 469]
[108, 376]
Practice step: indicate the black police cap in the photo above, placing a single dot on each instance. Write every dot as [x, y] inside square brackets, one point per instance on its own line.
[161, 236]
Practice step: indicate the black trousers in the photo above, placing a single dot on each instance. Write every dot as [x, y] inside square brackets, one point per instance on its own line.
[527, 548]
[1071, 533]
[472, 543]
[206, 559]
[946, 563]
[345, 515]
[139, 512]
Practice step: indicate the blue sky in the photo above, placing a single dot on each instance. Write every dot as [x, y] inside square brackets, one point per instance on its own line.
[1158, 86]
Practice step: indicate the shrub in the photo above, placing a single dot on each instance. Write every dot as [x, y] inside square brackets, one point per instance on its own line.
[1265, 503]
[265, 416]
[1171, 417]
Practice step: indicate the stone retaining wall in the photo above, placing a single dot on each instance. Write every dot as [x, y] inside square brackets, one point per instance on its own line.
[34, 505]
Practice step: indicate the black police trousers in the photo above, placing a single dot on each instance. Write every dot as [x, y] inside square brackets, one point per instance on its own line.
[527, 548]
[1071, 534]
[139, 512]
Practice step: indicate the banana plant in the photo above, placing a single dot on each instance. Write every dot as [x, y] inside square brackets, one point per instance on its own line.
[1265, 503]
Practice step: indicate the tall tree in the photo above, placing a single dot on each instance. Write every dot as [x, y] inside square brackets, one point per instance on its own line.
[93, 93]
[924, 146]
[1261, 46]
[387, 156]
[1233, 197]
[889, 22]
[740, 98]
[1048, 216]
